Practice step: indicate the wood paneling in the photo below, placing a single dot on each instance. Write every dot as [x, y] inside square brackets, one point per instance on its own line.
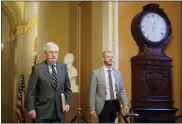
[85, 55]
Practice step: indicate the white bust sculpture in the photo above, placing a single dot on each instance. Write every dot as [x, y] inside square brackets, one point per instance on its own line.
[72, 71]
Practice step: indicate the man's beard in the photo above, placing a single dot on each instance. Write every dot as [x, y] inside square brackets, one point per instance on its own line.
[108, 63]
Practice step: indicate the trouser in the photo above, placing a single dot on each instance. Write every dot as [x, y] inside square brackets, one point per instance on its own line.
[109, 111]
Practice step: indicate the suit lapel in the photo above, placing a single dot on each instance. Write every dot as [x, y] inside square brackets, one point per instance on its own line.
[60, 75]
[47, 73]
[103, 77]
[115, 75]
[116, 81]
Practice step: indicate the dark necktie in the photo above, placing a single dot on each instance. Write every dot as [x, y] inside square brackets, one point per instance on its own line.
[111, 86]
[54, 76]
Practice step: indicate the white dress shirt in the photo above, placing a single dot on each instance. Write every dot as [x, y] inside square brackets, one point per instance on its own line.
[107, 83]
[50, 68]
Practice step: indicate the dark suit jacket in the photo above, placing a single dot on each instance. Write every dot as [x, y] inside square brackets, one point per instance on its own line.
[41, 96]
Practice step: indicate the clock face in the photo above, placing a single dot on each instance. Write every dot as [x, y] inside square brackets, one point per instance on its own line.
[153, 27]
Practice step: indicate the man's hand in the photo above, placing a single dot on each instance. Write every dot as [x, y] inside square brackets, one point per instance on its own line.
[32, 114]
[67, 108]
[93, 113]
[127, 109]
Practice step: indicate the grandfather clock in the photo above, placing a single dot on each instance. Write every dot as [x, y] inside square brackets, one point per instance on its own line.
[151, 68]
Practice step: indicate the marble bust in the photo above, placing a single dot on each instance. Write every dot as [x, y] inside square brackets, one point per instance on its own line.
[72, 71]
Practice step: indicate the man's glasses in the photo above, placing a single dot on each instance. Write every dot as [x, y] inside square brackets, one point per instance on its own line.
[53, 52]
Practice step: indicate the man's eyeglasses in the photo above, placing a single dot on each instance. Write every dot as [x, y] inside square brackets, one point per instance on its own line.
[53, 52]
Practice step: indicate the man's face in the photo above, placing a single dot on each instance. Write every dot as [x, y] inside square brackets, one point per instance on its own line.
[108, 58]
[52, 55]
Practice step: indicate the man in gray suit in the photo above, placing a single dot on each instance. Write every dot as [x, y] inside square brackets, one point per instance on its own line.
[107, 91]
[46, 83]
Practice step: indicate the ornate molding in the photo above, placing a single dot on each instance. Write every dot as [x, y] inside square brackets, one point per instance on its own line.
[6, 10]
[12, 36]
[155, 81]
[114, 41]
[23, 28]
[110, 29]
[11, 22]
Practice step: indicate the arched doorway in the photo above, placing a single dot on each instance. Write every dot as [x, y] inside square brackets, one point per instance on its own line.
[8, 60]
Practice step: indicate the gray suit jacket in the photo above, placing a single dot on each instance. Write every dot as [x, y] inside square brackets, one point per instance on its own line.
[41, 96]
[98, 89]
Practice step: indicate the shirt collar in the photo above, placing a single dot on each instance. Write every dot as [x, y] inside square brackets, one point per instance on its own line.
[51, 65]
[106, 69]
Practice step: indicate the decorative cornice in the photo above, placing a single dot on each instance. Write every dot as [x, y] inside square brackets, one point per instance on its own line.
[23, 28]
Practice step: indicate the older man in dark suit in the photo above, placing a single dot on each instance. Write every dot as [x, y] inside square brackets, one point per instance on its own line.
[107, 91]
[46, 83]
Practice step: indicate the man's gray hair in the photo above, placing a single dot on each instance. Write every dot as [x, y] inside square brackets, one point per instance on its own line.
[108, 51]
[50, 45]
